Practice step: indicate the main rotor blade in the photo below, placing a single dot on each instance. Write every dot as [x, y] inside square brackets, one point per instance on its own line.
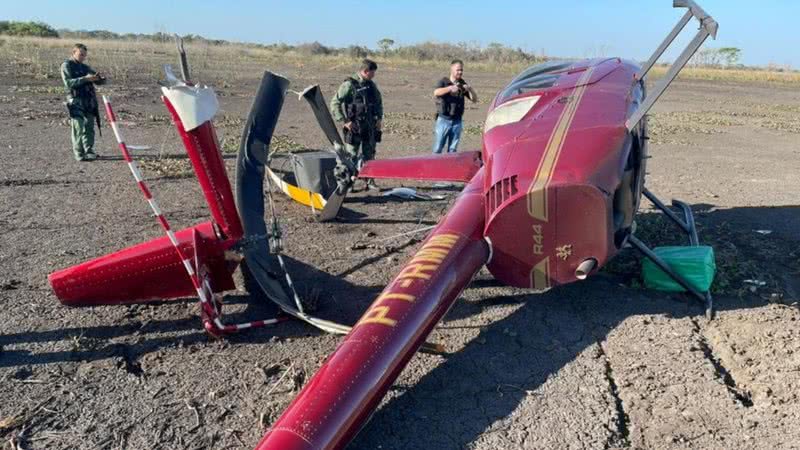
[253, 152]
[250, 166]
[261, 267]
[313, 95]
[333, 204]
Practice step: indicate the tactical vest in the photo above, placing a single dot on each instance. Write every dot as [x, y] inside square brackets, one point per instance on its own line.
[85, 90]
[82, 99]
[450, 105]
[364, 104]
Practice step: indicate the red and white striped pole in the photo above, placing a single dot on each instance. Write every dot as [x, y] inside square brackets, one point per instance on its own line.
[212, 321]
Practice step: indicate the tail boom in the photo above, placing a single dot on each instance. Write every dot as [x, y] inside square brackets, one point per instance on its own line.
[339, 399]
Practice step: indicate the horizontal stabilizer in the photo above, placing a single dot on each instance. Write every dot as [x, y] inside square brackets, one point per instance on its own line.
[148, 271]
[448, 167]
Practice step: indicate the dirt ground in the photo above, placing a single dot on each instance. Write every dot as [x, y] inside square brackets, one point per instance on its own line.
[598, 364]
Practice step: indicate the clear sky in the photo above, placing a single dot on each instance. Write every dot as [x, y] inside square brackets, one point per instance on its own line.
[765, 30]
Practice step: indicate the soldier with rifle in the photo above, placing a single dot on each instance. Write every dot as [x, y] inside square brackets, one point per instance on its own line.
[359, 107]
[79, 81]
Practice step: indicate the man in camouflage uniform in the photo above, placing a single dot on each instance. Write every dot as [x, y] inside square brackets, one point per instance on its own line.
[79, 80]
[359, 107]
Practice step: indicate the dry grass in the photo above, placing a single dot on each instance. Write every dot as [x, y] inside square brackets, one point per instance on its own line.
[168, 168]
[40, 58]
[737, 75]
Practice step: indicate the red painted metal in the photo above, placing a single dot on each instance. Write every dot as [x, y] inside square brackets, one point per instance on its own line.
[577, 196]
[460, 166]
[203, 148]
[148, 271]
[339, 399]
[543, 201]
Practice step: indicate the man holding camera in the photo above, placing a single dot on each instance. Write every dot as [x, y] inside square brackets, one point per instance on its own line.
[359, 107]
[449, 94]
[79, 81]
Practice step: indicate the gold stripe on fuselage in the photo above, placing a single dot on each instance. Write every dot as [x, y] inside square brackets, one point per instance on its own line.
[537, 192]
[540, 275]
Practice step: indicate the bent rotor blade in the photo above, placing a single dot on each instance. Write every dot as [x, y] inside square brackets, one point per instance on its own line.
[253, 150]
[333, 204]
[296, 193]
[250, 165]
[313, 95]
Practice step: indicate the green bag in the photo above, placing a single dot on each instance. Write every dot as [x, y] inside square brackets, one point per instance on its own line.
[695, 263]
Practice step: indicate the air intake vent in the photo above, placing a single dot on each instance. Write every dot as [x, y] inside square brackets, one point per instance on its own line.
[499, 193]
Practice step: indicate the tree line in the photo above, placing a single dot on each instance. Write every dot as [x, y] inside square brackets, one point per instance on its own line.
[37, 29]
[387, 47]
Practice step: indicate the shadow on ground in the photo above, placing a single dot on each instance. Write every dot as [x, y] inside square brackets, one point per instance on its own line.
[487, 379]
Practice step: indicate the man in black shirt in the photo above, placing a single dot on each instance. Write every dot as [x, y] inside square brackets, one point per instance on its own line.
[449, 94]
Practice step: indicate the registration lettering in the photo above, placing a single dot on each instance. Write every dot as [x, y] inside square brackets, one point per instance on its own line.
[421, 268]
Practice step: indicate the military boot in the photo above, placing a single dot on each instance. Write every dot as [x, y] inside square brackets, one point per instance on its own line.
[371, 185]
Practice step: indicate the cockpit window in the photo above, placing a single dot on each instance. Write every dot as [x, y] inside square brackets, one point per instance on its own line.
[540, 76]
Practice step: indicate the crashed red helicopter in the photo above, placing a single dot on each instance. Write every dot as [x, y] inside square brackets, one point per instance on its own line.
[549, 199]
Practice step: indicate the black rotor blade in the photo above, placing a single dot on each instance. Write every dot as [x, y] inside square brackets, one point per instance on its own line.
[333, 204]
[313, 95]
[260, 267]
[250, 166]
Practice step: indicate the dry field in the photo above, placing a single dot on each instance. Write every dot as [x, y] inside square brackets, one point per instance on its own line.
[598, 364]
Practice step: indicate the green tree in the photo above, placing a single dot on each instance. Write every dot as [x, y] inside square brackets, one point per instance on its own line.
[730, 55]
[27, 29]
[385, 44]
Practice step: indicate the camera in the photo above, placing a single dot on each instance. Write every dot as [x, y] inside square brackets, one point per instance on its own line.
[461, 89]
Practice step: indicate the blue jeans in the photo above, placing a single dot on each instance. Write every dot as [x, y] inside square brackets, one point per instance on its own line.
[446, 132]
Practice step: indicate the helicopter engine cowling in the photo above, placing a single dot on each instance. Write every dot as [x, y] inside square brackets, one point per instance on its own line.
[557, 155]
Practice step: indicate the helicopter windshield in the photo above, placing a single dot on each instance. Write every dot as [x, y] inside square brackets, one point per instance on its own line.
[540, 76]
